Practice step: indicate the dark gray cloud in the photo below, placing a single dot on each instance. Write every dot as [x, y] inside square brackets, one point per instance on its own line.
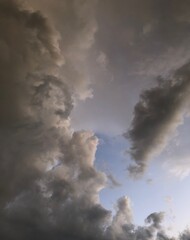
[49, 186]
[77, 25]
[48, 183]
[158, 113]
[137, 41]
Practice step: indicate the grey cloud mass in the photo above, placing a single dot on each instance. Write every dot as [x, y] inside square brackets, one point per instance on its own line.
[158, 113]
[149, 34]
[139, 40]
[49, 186]
[77, 25]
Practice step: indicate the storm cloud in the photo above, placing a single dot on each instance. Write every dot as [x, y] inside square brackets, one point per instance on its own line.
[157, 115]
[49, 186]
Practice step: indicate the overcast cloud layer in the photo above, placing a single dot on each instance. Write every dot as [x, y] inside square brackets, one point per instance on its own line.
[49, 187]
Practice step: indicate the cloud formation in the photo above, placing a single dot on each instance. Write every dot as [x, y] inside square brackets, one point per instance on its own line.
[149, 35]
[48, 183]
[157, 115]
[77, 25]
[49, 187]
[135, 42]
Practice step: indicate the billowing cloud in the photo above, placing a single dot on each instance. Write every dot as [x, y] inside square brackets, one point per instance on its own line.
[49, 186]
[158, 113]
[48, 182]
[150, 35]
[77, 25]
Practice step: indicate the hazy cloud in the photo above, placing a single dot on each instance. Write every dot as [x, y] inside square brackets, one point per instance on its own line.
[179, 167]
[113, 181]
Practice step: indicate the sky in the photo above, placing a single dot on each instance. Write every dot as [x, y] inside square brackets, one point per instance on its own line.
[94, 120]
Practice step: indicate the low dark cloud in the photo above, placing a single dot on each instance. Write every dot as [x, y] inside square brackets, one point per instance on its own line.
[157, 115]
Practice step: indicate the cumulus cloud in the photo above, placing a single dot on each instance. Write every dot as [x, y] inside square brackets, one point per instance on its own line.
[157, 115]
